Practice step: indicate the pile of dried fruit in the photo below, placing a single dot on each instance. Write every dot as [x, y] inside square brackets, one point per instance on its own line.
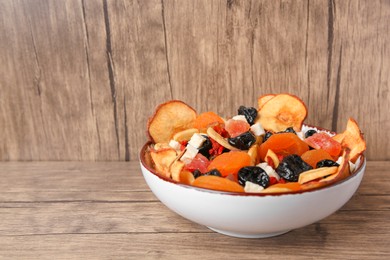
[266, 150]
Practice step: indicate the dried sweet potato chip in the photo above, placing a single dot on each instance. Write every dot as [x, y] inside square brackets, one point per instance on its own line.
[316, 173]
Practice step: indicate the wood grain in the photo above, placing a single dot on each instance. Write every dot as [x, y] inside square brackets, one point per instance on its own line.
[105, 210]
[79, 79]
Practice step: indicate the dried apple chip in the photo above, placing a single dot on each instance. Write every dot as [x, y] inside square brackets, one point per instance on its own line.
[170, 118]
[281, 112]
[175, 169]
[163, 159]
[316, 173]
[264, 99]
[353, 139]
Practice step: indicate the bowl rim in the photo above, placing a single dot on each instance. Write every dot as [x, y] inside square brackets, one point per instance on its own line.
[251, 194]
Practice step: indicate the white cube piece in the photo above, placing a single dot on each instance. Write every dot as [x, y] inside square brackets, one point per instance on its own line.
[301, 135]
[269, 170]
[252, 187]
[189, 154]
[257, 129]
[174, 144]
[197, 140]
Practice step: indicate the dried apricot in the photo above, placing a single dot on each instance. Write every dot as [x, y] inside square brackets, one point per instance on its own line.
[205, 119]
[230, 162]
[283, 144]
[217, 183]
[312, 157]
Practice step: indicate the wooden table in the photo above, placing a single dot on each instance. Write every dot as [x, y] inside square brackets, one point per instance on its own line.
[95, 210]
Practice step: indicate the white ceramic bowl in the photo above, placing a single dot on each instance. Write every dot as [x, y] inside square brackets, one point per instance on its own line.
[251, 215]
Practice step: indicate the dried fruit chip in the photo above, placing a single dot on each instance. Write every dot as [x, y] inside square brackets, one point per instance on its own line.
[219, 139]
[253, 153]
[352, 138]
[170, 118]
[316, 173]
[175, 169]
[185, 135]
[281, 112]
[163, 159]
[264, 99]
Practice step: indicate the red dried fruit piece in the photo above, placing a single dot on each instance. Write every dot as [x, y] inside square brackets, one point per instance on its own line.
[325, 142]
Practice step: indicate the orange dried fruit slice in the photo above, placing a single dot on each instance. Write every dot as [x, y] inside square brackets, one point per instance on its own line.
[186, 177]
[353, 139]
[281, 112]
[169, 118]
[283, 144]
[264, 99]
[206, 119]
[217, 183]
[312, 157]
[283, 187]
[230, 162]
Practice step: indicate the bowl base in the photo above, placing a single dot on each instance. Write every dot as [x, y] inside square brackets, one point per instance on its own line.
[246, 235]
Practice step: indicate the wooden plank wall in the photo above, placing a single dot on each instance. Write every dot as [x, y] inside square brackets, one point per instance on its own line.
[78, 79]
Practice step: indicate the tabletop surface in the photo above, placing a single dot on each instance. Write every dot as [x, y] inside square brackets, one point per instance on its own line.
[90, 210]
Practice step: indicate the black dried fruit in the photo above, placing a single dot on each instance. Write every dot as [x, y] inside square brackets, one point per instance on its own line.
[291, 166]
[326, 163]
[267, 135]
[288, 130]
[206, 147]
[214, 172]
[310, 133]
[250, 113]
[253, 174]
[196, 173]
[243, 142]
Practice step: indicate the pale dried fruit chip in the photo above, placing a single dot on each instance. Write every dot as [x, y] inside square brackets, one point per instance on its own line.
[264, 99]
[219, 139]
[316, 173]
[163, 159]
[281, 112]
[352, 138]
[253, 153]
[185, 135]
[342, 170]
[175, 169]
[170, 118]
[271, 155]
[161, 146]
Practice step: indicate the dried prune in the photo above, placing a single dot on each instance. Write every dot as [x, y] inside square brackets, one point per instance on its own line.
[253, 174]
[213, 172]
[250, 113]
[196, 173]
[243, 142]
[206, 147]
[310, 133]
[326, 163]
[291, 166]
[267, 135]
[288, 130]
